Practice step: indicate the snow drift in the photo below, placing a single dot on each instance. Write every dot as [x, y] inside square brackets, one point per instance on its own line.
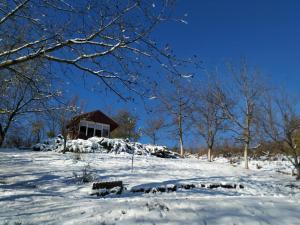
[104, 145]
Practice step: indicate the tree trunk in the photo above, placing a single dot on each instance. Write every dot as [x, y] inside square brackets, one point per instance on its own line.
[181, 146]
[209, 154]
[180, 135]
[298, 172]
[2, 134]
[180, 139]
[3, 131]
[246, 155]
[65, 144]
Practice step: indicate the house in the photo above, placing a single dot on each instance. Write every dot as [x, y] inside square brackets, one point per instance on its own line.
[90, 124]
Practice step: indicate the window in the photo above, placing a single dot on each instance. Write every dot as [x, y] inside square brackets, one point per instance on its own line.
[105, 132]
[98, 133]
[82, 130]
[90, 132]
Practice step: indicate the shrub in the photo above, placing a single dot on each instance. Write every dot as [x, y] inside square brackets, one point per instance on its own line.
[85, 176]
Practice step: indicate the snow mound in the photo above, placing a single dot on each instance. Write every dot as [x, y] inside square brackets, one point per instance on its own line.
[104, 145]
[51, 144]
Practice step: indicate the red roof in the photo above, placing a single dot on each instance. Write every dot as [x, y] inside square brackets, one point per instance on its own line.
[94, 116]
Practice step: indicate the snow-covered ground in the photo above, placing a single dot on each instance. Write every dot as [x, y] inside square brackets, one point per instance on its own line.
[40, 188]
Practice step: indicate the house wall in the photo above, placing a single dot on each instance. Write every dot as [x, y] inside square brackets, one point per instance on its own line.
[104, 128]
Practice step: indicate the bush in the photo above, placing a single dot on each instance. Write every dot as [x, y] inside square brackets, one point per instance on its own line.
[85, 176]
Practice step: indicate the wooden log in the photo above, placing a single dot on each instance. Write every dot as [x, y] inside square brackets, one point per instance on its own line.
[228, 186]
[212, 186]
[107, 185]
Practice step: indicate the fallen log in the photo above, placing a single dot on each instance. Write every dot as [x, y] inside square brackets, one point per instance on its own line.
[107, 185]
[116, 187]
[186, 187]
[106, 188]
[226, 186]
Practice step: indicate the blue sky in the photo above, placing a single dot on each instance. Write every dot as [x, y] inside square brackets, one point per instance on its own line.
[266, 32]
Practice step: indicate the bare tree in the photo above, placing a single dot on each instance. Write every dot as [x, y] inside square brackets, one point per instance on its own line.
[64, 117]
[281, 124]
[175, 103]
[65, 111]
[206, 113]
[51, 123]
[240, 103]
[37, 130]
[23, 93]
[153, 126]
[107, 40]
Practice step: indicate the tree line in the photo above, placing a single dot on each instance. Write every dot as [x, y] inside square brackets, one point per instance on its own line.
[240, 104]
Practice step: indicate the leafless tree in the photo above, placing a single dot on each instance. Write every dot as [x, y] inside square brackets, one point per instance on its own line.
[281, 124]
[206, 114]
[240, 103]
[24, 90]
[51, 123]
[37, 128]
[153, 126]
[109, 40]
[174, 102]
[65, 115]
[65, 111]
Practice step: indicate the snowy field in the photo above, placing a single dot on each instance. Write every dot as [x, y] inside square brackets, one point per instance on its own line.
[40, 188]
